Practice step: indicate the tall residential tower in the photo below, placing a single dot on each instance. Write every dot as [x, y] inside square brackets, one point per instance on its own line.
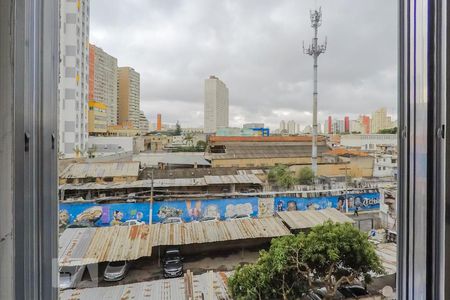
[74, 77]
[103, 81]
[128, 96]
[216, 105]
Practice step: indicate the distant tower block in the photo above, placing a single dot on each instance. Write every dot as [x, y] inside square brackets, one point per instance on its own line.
[315, 50]
[158, 123]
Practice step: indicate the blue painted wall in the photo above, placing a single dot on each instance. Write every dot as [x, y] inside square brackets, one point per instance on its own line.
[106, 214]
[367, 201]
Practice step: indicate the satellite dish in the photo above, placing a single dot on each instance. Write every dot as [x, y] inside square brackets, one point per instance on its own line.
[387, 292]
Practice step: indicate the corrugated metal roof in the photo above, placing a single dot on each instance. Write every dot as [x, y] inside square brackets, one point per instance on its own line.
[310, 218]
[183, 158]
[159, 183]
[79, 246]
[211, 285]
[104, 169]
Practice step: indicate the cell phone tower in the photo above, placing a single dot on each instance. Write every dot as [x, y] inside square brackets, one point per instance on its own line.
[315, 50]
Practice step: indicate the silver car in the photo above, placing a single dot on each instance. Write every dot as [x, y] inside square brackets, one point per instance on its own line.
[116, 270]
[172, 220]
[69, 277]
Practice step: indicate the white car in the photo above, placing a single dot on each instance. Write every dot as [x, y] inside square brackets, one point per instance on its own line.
[116, 270]
[172, 220]
[209, 219]
[131, 223]
[69, 277]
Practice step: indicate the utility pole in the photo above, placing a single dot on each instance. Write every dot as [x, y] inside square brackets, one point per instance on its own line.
[151, 202]
[315, 50]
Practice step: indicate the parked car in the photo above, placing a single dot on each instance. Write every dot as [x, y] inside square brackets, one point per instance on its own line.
[172, 263]
[321, 293]
[69, 277]
[131, 223]
[352, 291]
[209, 219]
[116, 270]
[172, 220]
[240, 217]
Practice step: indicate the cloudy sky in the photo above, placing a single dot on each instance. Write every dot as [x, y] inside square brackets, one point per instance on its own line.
[255, 47]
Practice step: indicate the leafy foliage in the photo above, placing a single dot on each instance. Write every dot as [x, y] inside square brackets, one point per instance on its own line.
[282, 176]
[330, 254]
[388, 131]
[177, 129]
[306, 176]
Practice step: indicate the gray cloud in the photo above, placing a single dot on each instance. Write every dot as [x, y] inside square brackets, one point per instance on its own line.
[255, 47]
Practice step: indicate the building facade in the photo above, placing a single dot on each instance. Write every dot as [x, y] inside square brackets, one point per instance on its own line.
[144, 125]
[74, 78]
[158, 122]
[291, 127]
[216, 105]
[97, 118]
[282, 126]
[128, 96]
[380, 120]
[103, 81]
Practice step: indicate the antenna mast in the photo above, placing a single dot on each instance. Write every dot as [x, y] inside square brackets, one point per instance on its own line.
[315, 50]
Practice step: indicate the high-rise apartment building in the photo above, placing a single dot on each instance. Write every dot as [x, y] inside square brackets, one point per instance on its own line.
[74, 77]
[216, 105]
[158, 122]
[346, 124]
[282, 126]
[144, 125]
[330, 125]
[103, 81]
[291, 127]
[128, 96]
[365, 124]
[380, 120]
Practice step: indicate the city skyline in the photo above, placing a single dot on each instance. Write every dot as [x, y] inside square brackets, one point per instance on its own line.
[176, 48]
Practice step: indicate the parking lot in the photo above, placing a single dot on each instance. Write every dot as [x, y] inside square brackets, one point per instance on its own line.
[145, 269]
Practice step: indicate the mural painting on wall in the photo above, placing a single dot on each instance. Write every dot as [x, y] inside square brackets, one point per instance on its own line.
[194, 210]
[366, 201]
[92, 214]
[265, 207]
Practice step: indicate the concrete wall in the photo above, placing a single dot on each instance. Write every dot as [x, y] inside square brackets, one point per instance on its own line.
[111, 144]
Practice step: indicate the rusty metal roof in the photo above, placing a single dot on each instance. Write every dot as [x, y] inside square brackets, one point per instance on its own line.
[80, 246]
[211, 285]
[159, 183]
[101, 169]
[310, 218]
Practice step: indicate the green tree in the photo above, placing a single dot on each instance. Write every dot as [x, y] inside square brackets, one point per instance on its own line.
[188, 138]
[329, 255]
[201, 146]
[177, 129]
[306, 176]
[282, 176]
[388, 131]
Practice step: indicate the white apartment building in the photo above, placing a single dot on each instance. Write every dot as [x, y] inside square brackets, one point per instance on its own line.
[282, 126]
[128, 96]
[216, 105]
[103, 81]
[291, 127]
[385, 165]
[380, 120]
[355, 126]
[74, 78]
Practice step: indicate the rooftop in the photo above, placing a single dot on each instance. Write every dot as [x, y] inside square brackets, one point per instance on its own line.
[299, 138]
[164, 183]
[101, 169]
[309, 218]
[153, 159]
[205, 286]
[80, 246]
[347, 152]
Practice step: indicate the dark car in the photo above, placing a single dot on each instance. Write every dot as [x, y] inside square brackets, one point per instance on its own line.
[351, 291]
[172, 263]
